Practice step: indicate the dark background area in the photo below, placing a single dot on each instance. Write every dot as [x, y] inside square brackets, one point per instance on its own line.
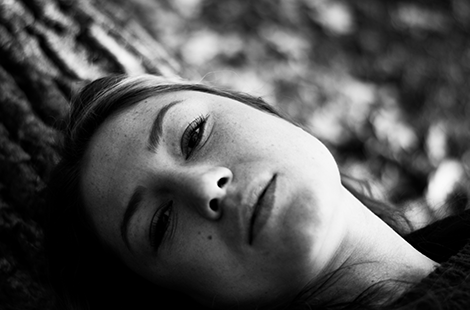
[384, 84]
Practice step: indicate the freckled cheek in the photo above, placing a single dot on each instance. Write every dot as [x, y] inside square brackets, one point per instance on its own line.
[195, 236]
[208, 235]
[198, 258]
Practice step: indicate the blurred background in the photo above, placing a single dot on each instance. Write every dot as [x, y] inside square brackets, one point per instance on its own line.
[383, 83]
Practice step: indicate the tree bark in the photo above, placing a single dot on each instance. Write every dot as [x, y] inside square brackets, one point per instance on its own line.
[48, 49]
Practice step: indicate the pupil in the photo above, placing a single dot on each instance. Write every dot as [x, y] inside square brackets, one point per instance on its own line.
[194, 138]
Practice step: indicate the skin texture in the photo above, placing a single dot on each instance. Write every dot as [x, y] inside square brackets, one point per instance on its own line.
[207, 251]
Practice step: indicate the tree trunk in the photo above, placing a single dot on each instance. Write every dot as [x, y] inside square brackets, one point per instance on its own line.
[48, 49]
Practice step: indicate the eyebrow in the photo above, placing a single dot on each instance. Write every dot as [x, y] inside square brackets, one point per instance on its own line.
[156, 130]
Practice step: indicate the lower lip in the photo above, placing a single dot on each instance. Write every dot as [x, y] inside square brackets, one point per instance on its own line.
[262, 210]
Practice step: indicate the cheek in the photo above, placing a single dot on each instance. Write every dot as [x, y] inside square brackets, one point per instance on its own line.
[310, 226]
[195, 255]
[298, 226]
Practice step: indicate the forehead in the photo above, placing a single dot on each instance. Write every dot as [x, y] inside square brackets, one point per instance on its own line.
[112, 158]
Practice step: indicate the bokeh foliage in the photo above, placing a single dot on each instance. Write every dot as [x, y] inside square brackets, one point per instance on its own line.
[382, 83]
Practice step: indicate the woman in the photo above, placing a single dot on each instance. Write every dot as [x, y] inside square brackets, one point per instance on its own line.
[173, 191]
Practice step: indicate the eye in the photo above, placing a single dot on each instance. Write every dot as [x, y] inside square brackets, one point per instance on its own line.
[193, 135]
[159, 225]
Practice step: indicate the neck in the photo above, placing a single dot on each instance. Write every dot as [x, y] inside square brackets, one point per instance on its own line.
[371, 256]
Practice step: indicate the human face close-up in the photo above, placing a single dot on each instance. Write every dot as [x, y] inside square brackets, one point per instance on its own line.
[214, 198]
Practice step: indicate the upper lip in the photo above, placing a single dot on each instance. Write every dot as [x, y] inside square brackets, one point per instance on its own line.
[262, 209]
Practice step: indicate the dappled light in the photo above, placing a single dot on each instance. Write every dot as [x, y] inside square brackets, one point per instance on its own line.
[383, 83]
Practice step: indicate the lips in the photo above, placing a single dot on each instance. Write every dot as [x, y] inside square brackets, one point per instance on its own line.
[262, 209]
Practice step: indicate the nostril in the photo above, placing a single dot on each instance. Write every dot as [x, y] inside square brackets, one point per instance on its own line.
[222, 182]
[214, 205]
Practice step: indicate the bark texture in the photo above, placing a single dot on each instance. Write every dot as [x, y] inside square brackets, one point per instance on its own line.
[48, 49]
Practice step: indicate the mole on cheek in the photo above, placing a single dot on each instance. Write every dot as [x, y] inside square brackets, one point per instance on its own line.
[209, 237]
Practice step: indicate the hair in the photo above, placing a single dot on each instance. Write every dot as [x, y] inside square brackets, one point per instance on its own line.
[83, 271]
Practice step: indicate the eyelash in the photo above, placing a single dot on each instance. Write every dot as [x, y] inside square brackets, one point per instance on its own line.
[196, 130]
[161, 220]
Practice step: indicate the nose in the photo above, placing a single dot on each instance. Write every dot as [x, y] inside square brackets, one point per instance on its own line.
[207, 187]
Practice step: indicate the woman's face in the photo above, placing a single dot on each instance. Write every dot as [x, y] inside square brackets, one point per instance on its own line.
[206, 195]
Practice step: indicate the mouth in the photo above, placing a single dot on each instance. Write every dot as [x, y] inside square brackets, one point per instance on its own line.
[262, 209]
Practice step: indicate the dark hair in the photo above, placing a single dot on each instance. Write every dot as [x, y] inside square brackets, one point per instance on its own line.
[83, 271]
